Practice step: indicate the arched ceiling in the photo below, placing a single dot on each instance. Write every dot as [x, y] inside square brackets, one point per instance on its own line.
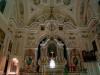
[77, 12]
[59, 10]
[52, 13]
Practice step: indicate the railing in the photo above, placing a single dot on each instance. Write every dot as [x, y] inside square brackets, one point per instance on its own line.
[51, 73]
[56, 71]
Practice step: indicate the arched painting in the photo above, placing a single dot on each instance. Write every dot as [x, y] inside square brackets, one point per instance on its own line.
[29, 60]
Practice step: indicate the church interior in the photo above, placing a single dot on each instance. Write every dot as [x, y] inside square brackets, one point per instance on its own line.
[49, 37]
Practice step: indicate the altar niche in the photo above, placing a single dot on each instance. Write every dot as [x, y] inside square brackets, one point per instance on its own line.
[51, 49]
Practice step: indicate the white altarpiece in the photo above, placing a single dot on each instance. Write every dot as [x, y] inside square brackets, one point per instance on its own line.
[59, 59]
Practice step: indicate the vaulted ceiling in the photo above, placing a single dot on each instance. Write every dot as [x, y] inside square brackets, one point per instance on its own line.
[77, 12]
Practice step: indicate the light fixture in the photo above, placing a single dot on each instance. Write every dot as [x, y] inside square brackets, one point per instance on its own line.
[52, 63]
[15, 60]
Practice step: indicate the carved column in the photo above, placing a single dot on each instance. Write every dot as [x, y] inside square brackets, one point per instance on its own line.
[35, 49]
[42, 58]
[6, 44]
[61, 53]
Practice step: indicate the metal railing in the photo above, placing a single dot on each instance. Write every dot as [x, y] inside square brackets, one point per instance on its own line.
[58, 71]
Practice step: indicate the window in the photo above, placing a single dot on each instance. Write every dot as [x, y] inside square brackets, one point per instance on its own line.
[2, 5]
[52, 49]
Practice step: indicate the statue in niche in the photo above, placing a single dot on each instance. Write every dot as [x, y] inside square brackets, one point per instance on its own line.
[66, 2]
[52, 48]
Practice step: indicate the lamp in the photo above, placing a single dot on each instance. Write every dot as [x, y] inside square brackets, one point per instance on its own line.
[52, 62]
[15, 60]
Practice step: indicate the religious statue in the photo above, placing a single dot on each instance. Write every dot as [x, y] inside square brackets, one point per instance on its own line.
[29, 60]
